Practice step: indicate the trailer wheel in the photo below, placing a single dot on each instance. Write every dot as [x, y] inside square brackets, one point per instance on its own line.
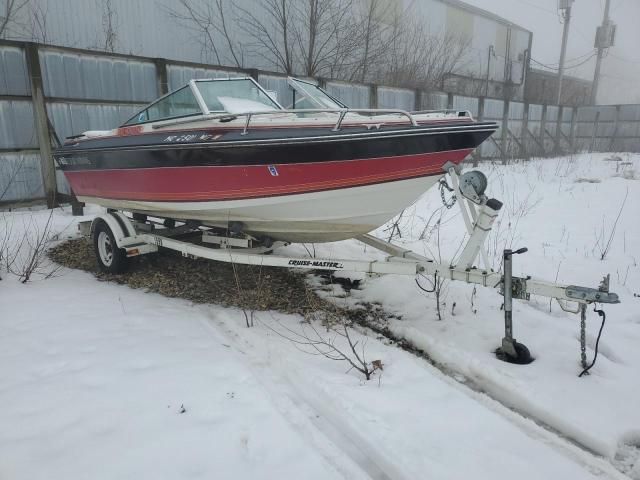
[111, 259]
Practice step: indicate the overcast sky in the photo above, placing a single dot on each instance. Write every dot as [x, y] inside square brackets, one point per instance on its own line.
[621, 69]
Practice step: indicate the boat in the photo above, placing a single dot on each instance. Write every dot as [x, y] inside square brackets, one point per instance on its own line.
[225, 153]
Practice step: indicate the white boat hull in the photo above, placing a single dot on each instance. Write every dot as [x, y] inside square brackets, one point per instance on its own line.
[324, 216]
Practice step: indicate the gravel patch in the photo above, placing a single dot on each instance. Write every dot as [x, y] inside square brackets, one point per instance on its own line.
[200, 280]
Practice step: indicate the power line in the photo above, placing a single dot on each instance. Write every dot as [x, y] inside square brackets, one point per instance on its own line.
[578, 58]
[553, 12]
[593, 54]
[629, 60]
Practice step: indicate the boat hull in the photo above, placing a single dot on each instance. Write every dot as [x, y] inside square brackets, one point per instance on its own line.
[323, 216]
[298, 185]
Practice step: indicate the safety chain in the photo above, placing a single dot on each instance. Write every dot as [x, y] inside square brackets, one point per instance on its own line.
[583, 335]
[443, 184]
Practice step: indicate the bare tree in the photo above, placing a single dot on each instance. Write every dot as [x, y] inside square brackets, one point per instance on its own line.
[39, 12]
[209, 25]
[344, 39]
[9, 11]
[373, 36]
[271, 31]
[321, 31]
[416, 58]
[109, 26]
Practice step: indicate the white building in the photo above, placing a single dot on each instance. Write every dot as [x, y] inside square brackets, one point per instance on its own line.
[497, 55]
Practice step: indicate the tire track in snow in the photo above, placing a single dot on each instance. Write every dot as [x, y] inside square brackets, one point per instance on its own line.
[313, 406]
[308, 413]
[533, 427]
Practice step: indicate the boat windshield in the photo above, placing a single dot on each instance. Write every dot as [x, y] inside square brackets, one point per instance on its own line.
[239, 95]
[200, 97]
[310, 95]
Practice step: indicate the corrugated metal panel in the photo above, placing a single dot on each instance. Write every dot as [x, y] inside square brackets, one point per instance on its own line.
[74, 118]
[466, 103]
[607, 113]
[493, 109]
[534, 127]
[535, 112]
[584, 129]
[433, 101]
[567, 114]
[516, 114]
[396, 98]
[628, 129]
[552, 114]
[179, 75]
[352, 95]
[629, 112]
[605, 129]
[17, 127]
[20, 177]
[516, 111]
[14, 76]
[72, 75]
[587, 114]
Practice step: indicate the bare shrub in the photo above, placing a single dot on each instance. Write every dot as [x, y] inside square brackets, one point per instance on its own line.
[327, 331]
[249, 299]
[437, 283]
[604, 239]
[29, 256]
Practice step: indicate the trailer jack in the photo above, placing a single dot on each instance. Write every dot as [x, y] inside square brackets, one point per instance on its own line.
[511, 351]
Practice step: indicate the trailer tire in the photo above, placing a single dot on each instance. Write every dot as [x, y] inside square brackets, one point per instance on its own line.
[111, 259]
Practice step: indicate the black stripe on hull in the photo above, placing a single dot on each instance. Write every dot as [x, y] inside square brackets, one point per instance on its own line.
[332, 148]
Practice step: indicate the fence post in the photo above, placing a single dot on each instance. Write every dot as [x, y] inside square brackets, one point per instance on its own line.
[543, 128]
[42, 124]
[615, 128]
[504, 131]
[524, 151]
[373, 96]
[572, 131]
[594, 135]
[417, 100]
[559, 128]
[477, 155]
[450, 101]
[161, 75]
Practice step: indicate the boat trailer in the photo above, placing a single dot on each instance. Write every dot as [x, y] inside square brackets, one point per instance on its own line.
[117, 237]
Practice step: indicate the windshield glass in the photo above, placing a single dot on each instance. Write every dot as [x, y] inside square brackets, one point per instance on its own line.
[309, 95]
[235, 96]
[180, 103]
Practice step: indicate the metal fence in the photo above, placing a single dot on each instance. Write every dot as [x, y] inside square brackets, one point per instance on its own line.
[48, 91]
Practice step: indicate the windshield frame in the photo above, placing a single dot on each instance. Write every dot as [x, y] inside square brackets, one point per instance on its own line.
[204, 109]
[306, 88]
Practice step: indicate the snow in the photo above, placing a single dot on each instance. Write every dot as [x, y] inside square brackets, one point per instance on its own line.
[93, 375]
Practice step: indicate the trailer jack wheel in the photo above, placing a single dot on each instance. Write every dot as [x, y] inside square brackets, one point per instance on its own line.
[514, 352]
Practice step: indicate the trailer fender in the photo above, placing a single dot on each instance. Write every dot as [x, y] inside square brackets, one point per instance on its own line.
[119, 224]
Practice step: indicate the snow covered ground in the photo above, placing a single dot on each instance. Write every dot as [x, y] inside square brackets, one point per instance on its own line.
[101, 381]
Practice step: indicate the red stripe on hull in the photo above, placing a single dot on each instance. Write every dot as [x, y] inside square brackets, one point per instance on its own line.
[239, 182]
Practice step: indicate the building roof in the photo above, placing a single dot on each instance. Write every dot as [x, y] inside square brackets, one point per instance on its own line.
[483, 13]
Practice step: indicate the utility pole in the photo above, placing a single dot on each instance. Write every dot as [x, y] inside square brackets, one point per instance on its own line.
[565, 7]
[605, 37]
